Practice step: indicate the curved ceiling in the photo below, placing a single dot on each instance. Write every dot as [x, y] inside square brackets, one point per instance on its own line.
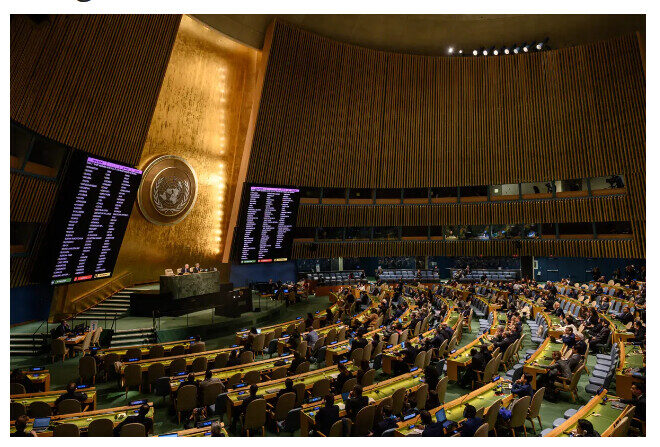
[433, 34]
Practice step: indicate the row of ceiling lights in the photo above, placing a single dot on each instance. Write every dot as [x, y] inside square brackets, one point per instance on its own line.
[513, 49]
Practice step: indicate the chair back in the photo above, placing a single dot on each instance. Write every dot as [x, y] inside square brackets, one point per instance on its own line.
[87, 341]
[234, 380]
[16, 409]
[133, 430]
[394, 339]
[97, 336]
[320, 342]
[429, 357]
[258, 343]
[109, 361]
[300, 393]
[621, 428]
[210, 392]
[441, 389]
[368, 377]
[321, 388]
[162, 386]
[519, 412]
[178, 366]
[397, 401]
[421, 396]
[482, 431]
[575, 378]
[66, 431]
[186, 398]
[155, 371]
[349, 385]
[57, 347]
[303, 368]
[491, 414]
[302, 348]
[246, 357]
[364, 421]
[156, 352]
[420, 359]
[133, 353]
[177, 350]
[378, 349]
[285, 403]
[198, 347]
[39, 409]
[16, 388]
[418, 327]
[277, 332]
[279, 372]
[221, 360]
[535, 405]
[68, 406]
[100, 428]
[489, 370]
[252, 377]
[87, 367]
[132, 375]
[255, 415]
[341, 428]
[199, 364]
[356, 355]
[442, 350]
[366, 352]
[341, 335]
[404, 336]
[330, 336]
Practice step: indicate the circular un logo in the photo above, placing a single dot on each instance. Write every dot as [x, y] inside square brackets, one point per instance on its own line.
[168, 190]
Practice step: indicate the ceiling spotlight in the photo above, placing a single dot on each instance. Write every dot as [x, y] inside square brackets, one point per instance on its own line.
[539, 46]
[475, 52]
[485, 52]
[525, 47]
[516, 50]
[506, 51]
[495, 52]
[460, 51]
[450, 50]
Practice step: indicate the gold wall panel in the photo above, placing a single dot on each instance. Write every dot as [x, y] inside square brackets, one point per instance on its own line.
[201, 115]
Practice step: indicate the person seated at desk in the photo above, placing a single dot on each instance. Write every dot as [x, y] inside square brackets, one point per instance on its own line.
[71, 393]
[358, 342]
[343, 376]
[327, 415]
[288, 388]
[297, 361]
[432, 377]
[388, 422]
[309, 320]
[329, 317]
[639, 401]
[355, 402]
[428, 427]
[21, 425]
[601, 337]
[580, 345]
[208, 379]
[254, 389]
[471, 422]
[252, 333]
[640, 334]
[557, 311]
[478, 362]
[196, 268]
[585, 429]
[216, 430]
[61, 330]
[626, 317]
[311, 337]
[559, 368]
[294, 339]
[523, 386]
[17, 376]
[568, 337]
[234, 358]
[141, 418]
[190, 380]
[185, 270]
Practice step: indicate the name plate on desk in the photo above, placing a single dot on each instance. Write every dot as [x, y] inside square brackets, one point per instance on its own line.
[194, 284]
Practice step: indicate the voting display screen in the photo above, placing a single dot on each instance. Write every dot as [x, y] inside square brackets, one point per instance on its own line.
[268, 222]
[91, 216]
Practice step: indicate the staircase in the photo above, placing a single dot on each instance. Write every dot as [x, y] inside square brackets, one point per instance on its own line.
[111, 308]
[129, 337]
[27, 344]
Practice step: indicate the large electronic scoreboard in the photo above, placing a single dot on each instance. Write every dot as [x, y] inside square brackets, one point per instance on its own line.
[90, 219]
[268, 221]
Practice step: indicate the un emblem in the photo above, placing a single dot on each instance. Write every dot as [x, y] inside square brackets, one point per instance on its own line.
[168, 190]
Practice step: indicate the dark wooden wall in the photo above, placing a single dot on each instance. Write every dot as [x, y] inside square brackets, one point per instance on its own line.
[337, 115]
[89, 82]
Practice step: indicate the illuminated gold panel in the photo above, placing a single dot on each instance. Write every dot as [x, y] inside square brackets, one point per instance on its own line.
[201, 115]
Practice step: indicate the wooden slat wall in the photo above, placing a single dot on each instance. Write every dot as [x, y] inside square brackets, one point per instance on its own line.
[337, 115]
[597, 209]
[561, 248]
[90, 81]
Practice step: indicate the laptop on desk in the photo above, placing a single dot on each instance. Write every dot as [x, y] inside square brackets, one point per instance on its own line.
[40, 424]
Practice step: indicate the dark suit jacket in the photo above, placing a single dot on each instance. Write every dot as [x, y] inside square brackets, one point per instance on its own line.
[355, 404]
[469, 426]
[77, 395]
[247, 401]
[325, 418]
[435, 430]
[147, 422]
[384, 425]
